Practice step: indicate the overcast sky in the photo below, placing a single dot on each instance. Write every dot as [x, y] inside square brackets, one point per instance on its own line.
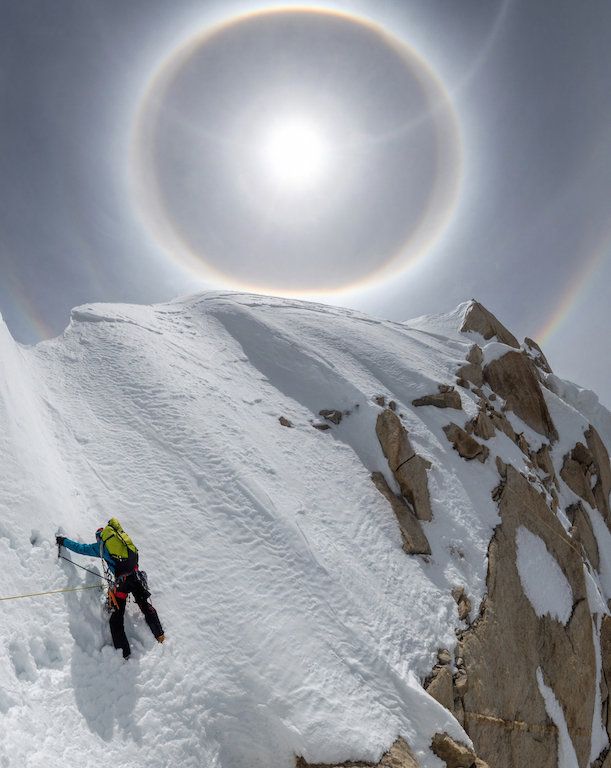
[415, 153]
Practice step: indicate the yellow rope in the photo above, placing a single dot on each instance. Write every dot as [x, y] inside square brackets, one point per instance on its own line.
[54, 592]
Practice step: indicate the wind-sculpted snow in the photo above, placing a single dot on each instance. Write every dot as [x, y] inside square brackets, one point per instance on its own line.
[295, 623]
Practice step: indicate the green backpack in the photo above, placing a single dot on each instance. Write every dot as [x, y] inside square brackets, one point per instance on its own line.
[121, 548]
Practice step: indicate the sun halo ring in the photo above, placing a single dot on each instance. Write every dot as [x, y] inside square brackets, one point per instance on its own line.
[438, 207]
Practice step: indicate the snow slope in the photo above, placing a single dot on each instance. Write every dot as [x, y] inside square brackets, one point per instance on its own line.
[295, 622]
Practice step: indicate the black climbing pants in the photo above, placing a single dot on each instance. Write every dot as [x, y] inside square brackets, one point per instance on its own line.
[131, 583]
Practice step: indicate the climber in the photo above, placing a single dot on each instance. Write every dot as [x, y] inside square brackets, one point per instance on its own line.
[120, 555]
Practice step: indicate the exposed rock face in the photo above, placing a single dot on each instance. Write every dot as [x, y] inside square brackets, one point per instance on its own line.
[602, 470]
[466, 445]
[587, 472]
[582, 532]
[508, 644]
[414, 539]
[577, 472]
[514, 378]
[478, 319]
[408, 468]
[543, 461]
[508, 649]
[537, 355]
[605, 649]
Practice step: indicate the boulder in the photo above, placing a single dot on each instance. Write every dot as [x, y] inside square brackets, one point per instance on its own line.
[448, 398]
[479, 319]
[463, 603]
[475, 355]
[399, 756]
[414, 538]
[509, 642]
[441, 688]
[473, 370]
[543, 461]
[394, 439]
[500, 422]
[409, 469]
[466, 445]
[513, 376]
[454, 754]
[331, 415]
[483, 426]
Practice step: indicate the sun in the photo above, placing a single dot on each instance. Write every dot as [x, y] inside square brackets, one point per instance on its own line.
[293, 154]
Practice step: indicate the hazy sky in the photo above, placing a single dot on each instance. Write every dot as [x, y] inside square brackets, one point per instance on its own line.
[415, 153]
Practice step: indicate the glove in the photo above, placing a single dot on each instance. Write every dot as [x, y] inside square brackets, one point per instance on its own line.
[59, 540]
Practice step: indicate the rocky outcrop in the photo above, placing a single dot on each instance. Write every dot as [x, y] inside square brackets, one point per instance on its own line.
[500, 422]
[398, 756]
[466, 445]
[543, 461]
[587, 472]
[473, 370]
[481, 426]
[447, 397]
[408, 468]
[414, 539]
[536, 354]
[503, 711]
[478, 319]
[577, 471]
[463, 603]
[583, 533]
[508, 652]
[602, 470]
[454, 754]
[513, 376]
[333, 416]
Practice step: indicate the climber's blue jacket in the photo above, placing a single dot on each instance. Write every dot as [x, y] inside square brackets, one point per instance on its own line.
[92, 550]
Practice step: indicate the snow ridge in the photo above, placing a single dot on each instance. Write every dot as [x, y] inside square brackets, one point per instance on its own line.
[296, 624]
